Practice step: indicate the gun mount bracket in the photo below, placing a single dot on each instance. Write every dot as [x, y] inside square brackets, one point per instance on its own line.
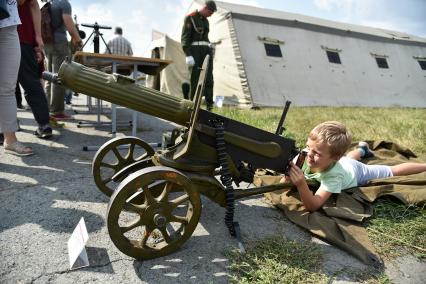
[198, 96]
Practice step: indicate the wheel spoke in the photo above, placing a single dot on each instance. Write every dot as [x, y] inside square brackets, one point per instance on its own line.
[179, 200]
[130, 153]
[130, 226]
[149, 198]
[107, 180]
[137, 194]
[117, 154]
[145, 236]
[165, 194]
[172, 232]
[106, 165]
[144, 156]
[179, 219]
[135, 208]
[165, 235]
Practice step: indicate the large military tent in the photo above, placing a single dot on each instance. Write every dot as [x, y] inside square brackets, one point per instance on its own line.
[171, 78]
[264, 57]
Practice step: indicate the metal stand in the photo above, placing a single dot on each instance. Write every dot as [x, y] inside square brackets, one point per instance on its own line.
[134, 120]
[96, 35]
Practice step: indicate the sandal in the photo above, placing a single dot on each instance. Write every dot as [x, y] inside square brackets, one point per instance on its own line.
[19, 149]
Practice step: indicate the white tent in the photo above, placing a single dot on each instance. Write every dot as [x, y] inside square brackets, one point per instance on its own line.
[171, 78]
[264, 57]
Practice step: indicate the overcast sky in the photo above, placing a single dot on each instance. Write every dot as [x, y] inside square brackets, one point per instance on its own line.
[139, 17]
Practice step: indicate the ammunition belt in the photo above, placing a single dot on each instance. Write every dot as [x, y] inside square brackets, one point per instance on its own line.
[225, 176]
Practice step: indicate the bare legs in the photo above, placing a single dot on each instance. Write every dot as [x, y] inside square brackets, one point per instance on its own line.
[354, 154]
[9, 138]
[408, 169]
[403, 169]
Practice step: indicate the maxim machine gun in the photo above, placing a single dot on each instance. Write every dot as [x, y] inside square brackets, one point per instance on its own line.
[155, 200]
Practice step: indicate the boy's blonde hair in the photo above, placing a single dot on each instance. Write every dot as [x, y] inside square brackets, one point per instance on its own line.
[334, 134]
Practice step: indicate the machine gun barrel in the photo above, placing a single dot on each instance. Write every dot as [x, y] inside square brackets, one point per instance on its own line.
[121, 90]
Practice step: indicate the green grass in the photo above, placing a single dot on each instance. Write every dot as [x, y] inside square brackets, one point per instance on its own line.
[396, 226]
[405, 126]
[393, 226]
[277, 260]
[365, 276]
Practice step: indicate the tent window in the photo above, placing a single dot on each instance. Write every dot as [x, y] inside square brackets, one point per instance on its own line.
[333, 57]
[273, 50]
[422, 64]
[382, 62]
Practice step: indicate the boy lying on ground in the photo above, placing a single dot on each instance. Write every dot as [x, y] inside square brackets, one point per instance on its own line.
[326, 163]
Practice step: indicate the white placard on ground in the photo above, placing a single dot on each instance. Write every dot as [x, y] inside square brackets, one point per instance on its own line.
[77, 246]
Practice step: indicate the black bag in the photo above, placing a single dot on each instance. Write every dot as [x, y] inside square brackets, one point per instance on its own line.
[46, 24]
[4, 13]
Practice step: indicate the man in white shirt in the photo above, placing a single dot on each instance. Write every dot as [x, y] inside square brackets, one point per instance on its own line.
[119, 45]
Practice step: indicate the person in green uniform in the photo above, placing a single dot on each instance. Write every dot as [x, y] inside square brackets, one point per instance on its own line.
[196, 45]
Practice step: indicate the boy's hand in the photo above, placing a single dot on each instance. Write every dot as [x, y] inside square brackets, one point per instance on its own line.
[296, 175]
[285, 179]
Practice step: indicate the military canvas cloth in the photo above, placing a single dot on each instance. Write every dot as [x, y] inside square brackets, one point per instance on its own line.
[339, 221]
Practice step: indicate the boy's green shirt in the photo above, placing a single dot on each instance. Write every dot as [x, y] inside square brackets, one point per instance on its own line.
[336, 178]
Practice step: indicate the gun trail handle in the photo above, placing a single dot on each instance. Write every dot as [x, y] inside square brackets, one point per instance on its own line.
[280, 128]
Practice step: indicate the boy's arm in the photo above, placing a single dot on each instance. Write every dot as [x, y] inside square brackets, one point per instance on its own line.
[311, 201]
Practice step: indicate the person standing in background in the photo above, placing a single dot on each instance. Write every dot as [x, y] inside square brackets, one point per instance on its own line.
[57, 51]
[31, 56]
[196, 46]
[119, 44]
[10, 57]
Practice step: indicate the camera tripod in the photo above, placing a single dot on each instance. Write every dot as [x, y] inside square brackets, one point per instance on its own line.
[96, 35]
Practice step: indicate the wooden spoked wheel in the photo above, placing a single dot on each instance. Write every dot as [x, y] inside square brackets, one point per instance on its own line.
[163, 222]
[115, 155]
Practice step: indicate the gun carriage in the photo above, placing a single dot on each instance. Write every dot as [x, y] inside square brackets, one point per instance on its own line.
[155, 200]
